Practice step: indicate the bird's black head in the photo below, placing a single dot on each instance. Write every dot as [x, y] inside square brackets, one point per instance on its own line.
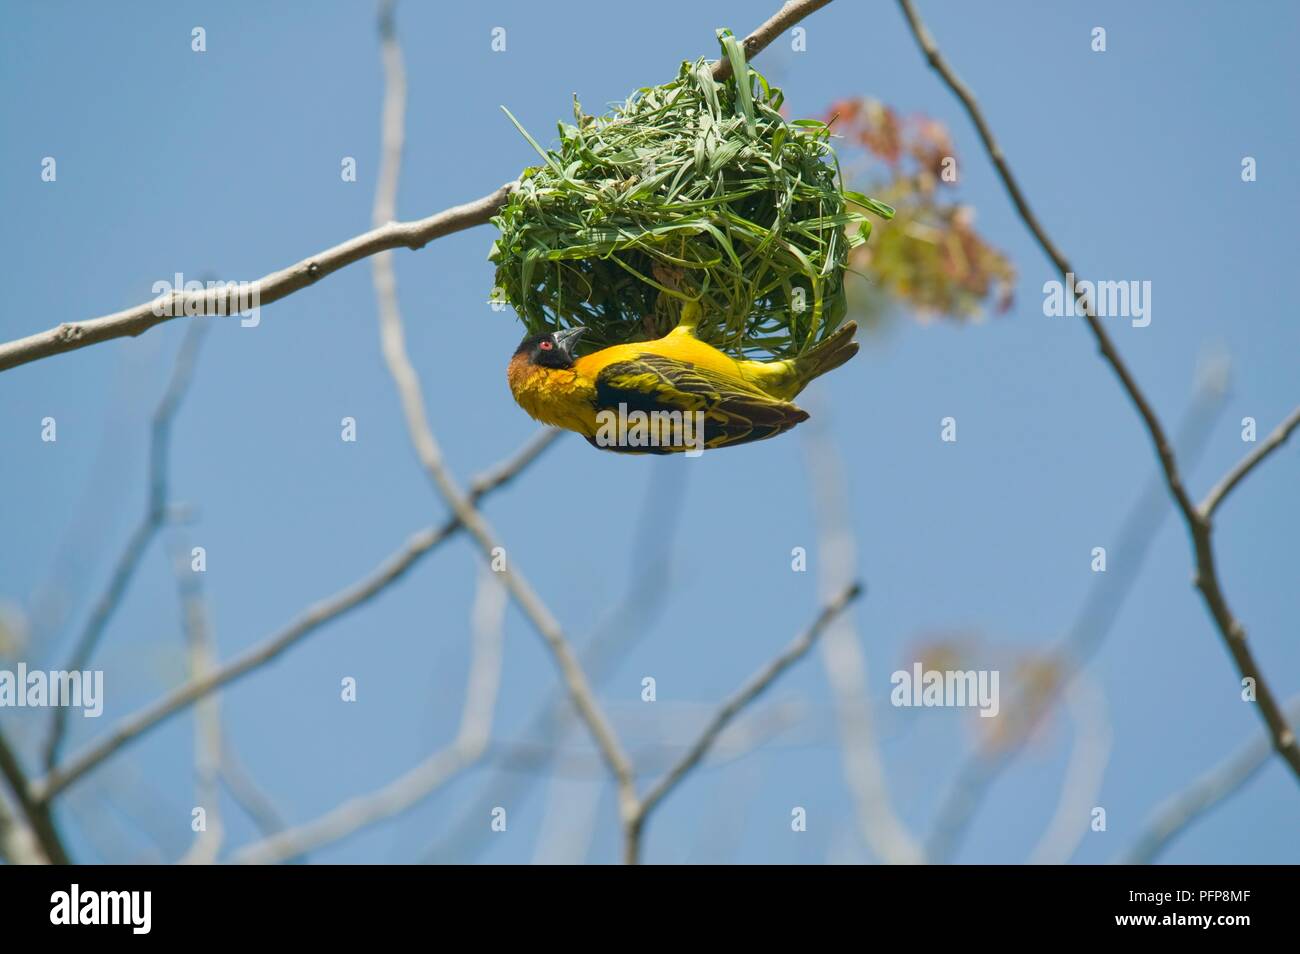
[555, 350]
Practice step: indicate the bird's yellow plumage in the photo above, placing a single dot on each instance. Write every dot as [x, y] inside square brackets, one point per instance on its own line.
[734, 401]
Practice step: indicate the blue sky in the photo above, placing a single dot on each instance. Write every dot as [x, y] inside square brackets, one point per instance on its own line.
[228, 162]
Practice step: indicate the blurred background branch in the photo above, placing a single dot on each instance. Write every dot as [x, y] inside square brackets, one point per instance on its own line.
[1183, 809]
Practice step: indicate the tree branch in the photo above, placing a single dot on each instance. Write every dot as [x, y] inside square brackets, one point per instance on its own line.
[1198, 524]
[790, 13]
[1248, 463]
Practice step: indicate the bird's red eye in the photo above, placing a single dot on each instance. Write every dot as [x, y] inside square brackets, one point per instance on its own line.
[546, 346]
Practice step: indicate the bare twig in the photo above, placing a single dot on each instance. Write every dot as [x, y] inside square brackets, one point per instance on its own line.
[1248, 463]
[155, 516]
[70, 336]
[634, 824]
[387, 573]
[1211, 790]
[395, 797]
[790, 13]
[1198, 522]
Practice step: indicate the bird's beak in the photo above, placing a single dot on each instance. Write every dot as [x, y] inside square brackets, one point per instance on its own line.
[566, 340]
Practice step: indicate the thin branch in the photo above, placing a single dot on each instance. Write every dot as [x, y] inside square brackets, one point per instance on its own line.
[387, 573]
[635, 823]
[1198, 524]
[1208, 792]
[790, 13]
[488, 617]
[155, 516]
[407, 382]
[387, 235]
[1249, 463]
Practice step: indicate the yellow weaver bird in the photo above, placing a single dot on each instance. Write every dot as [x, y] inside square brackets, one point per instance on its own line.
[676, 378]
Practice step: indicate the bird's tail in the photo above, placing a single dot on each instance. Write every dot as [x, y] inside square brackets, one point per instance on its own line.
[785, 379]
[828, 355]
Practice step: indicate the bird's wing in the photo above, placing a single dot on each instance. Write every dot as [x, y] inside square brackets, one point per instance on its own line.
[735, 412]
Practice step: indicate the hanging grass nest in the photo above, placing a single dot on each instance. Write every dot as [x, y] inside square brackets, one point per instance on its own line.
[697, 189]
